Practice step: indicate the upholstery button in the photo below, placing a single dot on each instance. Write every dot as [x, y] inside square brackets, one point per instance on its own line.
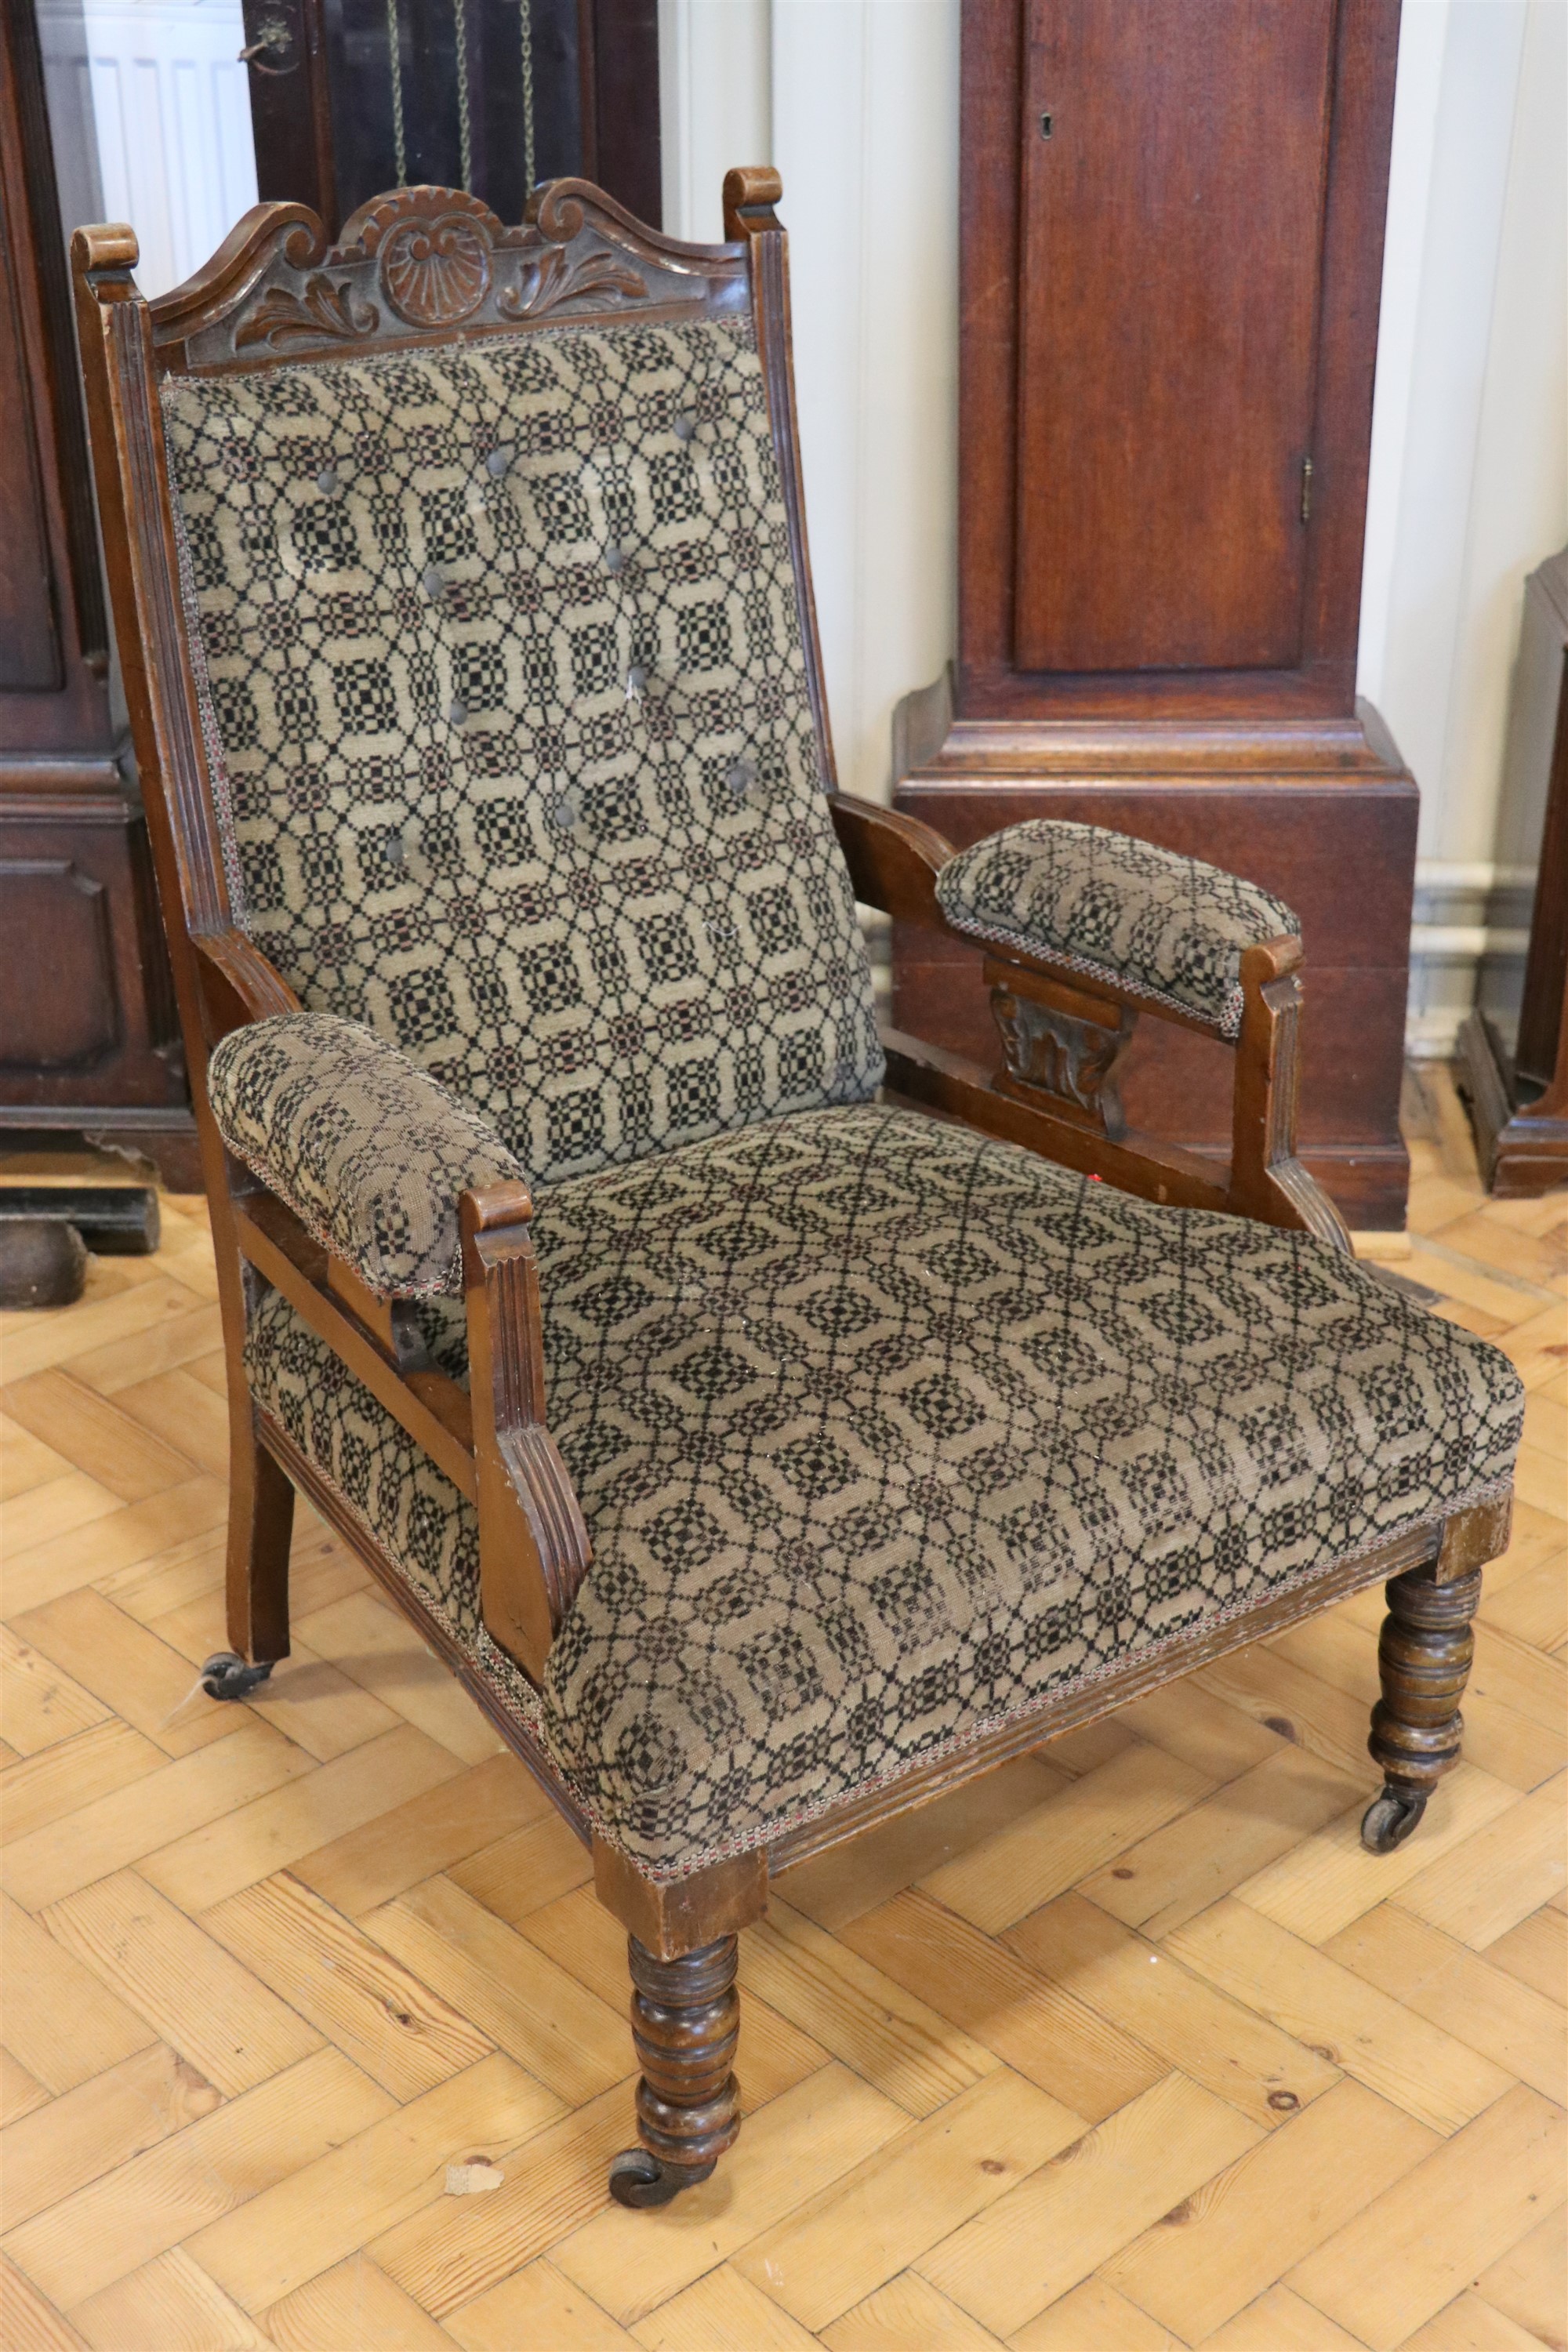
[614, 559]
[496, 462]
[636, 678]
[740, 777]
[457, 713]
[327, 481]
[686, 428]
[563, 812]
[432, 582]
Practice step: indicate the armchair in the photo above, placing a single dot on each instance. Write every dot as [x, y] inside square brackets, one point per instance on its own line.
[772, 1424]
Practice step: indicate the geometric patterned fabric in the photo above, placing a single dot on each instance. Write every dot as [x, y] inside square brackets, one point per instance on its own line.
[885, 1432]
[1113, 907]
[500, 666]
[368, 1152]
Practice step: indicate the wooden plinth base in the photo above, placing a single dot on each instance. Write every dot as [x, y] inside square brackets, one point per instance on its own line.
[1523, 1146]
[166, 1139]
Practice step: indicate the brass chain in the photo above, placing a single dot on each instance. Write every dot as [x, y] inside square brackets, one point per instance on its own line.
[464, 120]
[526, 13]
[394, 51]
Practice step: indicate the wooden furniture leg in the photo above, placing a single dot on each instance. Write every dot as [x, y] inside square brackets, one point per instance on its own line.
[1424, 1656]
[260, 1529]
[681, 1941]
[686, 2025]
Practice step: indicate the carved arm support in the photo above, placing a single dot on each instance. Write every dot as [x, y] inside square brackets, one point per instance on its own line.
[1064, 1029]
[534, 1550]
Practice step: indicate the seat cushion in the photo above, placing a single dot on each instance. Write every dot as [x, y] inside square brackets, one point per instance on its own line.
[499, 655]
[885, 1432]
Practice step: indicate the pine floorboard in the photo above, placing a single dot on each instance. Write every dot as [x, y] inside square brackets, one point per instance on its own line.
[1126, 2048]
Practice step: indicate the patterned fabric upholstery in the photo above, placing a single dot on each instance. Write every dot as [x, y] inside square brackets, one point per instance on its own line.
[500, 663]
[885, 1432]
[368, 1152]
[1116, 909]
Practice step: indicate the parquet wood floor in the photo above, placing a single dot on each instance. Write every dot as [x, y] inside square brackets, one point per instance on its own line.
[1127, 2047]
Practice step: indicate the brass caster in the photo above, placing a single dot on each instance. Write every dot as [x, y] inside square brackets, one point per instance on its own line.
[638, 2178]
[226, 1676]
[1390, 1818]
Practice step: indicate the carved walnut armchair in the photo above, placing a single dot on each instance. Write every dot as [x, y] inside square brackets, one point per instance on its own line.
[772, 1424]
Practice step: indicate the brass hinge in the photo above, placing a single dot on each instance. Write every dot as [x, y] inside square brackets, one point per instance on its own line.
[1306, 490]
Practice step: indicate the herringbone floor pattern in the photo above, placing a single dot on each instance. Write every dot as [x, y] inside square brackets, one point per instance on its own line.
[1129, 2046]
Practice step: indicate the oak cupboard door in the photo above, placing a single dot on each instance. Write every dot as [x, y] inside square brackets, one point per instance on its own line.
[1173, 179]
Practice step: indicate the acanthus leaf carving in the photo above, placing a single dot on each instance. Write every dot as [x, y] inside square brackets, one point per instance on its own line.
[323, 310]
[555, 278]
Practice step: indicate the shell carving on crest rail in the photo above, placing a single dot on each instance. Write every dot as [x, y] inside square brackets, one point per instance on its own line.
[426, 261]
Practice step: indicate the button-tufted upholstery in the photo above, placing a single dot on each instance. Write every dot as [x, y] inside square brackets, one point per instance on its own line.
[499, 664]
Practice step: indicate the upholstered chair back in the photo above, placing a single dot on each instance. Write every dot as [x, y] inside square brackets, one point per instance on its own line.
[500, 670]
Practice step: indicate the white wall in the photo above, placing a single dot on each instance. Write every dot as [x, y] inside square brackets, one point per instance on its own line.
[855, 101]
[1469, 464]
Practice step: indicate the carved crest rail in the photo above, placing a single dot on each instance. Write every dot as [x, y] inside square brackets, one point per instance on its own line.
[426, 260]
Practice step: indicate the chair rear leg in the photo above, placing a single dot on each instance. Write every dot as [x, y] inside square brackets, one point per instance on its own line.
[686, 2024]
[1424, 1657]
[261, 1528]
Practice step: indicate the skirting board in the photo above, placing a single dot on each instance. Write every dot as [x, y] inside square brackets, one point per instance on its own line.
[1467, 942]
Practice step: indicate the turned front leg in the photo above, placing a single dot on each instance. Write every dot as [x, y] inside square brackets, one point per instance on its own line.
[1424, 1657]
[686, 2024]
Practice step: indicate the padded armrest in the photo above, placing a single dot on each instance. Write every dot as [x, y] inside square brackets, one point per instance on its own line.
[368, 1152]
[1117, 909]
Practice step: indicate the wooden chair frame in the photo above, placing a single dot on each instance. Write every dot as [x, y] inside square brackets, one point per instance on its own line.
[276, 290]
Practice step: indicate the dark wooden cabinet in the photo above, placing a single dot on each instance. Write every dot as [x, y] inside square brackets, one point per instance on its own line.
[349, 98]
[89, 1041]
[1172, 246]
[1519, 1101]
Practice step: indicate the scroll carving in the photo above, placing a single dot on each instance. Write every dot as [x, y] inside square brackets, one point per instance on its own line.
[1054, 1051]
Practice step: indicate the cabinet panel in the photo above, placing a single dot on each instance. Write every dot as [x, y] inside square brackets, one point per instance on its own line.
[29, 647]
[87, 1011]
[87, 1038]
[1167, 306]
[1172, 244]
[57, 1008]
